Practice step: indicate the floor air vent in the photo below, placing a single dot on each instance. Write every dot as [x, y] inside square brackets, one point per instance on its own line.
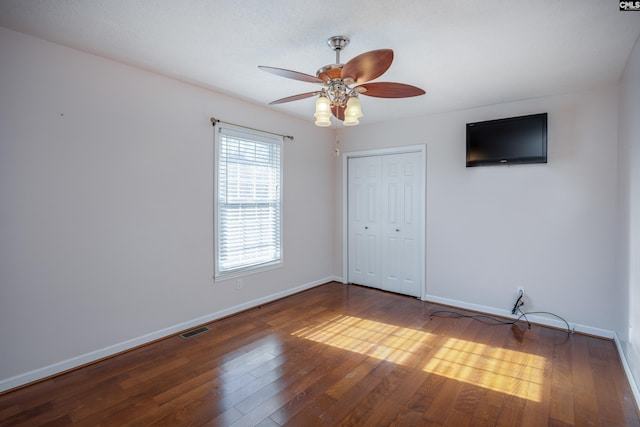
[194, 332]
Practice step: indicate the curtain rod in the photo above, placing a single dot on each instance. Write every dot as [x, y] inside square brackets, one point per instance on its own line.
[214, 121]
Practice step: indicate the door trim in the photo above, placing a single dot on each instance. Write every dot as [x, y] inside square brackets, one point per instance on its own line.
[422, 149]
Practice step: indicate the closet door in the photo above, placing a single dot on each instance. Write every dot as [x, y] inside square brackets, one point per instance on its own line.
[384, 206]
[364, 201]
[401, 192]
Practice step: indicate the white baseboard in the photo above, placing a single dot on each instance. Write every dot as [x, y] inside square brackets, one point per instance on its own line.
[627, 369]
[75, 362]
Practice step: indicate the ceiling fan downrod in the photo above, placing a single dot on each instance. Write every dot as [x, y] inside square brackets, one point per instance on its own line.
[337, 43]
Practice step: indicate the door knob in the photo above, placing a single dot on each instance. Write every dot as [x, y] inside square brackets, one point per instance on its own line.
[366, 228]
[397, 229]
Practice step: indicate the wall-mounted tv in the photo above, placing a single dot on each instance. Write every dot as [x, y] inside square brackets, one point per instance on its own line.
[514, 140]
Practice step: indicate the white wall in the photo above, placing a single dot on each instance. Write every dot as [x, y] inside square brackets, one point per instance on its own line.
[106, 217]
[629, 204]
[550, 228]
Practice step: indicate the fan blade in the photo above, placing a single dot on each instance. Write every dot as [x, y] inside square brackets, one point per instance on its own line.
[294, 98]
[389, 90]
[338, 111]
[291, 74]
[368, 66]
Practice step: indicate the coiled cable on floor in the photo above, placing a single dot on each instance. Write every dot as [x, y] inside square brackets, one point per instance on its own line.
[490, 320]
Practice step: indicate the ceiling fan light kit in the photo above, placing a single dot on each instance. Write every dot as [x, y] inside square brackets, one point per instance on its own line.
[338, 97]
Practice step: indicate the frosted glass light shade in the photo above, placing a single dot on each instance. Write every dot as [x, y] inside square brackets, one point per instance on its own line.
[353, 112]
[323, 111]
[350, 120]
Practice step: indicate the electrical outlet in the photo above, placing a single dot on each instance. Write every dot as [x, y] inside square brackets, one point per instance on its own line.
[519, 300]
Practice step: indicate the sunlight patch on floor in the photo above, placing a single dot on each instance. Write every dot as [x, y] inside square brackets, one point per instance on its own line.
[506, 371]
[380, 340]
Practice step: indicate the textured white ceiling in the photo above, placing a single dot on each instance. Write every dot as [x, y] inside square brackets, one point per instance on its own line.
[464, 53]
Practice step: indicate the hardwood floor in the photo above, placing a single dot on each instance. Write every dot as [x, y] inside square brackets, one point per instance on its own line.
[343, 355]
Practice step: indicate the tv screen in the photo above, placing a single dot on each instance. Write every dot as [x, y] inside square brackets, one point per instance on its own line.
[514, 140]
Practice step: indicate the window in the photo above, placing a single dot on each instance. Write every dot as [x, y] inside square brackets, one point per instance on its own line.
[248, 202]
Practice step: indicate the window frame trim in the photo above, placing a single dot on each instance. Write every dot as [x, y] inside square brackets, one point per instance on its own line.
[265, 137]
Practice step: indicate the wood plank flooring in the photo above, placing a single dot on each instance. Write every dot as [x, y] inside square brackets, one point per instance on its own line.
[342, 355]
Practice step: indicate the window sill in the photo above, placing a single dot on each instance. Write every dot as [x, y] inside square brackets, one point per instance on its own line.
[222, 277]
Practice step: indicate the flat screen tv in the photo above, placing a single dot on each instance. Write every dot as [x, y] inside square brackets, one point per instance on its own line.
[514, 140]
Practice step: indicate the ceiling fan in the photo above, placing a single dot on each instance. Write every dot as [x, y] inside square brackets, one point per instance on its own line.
[338, 96]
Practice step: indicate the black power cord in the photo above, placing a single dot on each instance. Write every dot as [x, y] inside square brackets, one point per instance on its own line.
[569, 330]
[489, 320]
[519, 303]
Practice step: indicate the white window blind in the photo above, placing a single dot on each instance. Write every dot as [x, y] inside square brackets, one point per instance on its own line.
[248, 219]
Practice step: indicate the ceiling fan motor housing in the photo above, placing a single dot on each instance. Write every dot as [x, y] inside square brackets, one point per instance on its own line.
[330, 72]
